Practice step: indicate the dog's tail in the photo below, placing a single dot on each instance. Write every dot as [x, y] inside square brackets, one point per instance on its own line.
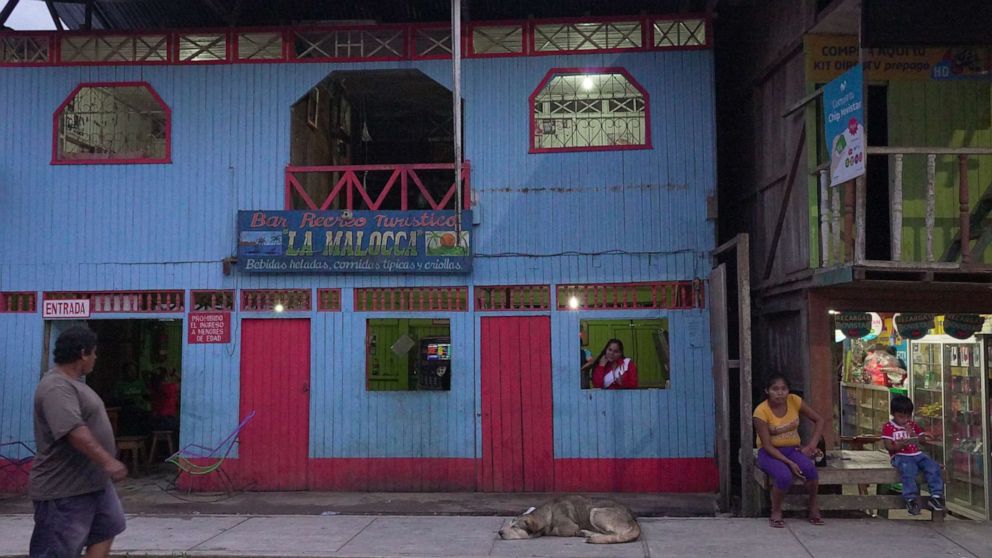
[628, 535]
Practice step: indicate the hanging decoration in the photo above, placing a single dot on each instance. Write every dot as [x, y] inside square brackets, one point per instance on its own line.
[854, 324]
[876, 327]
[962, 326]
[914, 325]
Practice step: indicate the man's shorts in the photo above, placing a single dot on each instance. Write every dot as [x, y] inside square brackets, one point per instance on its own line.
[62, 527]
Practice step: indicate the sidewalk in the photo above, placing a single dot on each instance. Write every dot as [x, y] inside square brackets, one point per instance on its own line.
[364, 536]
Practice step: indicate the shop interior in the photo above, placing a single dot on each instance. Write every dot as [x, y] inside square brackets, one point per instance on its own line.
[138, 374]
[942, 363]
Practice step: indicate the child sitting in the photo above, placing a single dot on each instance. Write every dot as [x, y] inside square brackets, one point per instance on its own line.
[902, 437]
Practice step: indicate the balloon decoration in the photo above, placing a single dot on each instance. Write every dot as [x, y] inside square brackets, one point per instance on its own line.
[854, 324]
[913, 326]
[962, 326]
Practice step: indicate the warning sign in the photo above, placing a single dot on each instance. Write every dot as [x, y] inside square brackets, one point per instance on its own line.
[209, 327]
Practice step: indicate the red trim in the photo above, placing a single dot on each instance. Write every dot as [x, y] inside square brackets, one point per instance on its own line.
[138, 302]
[287, 52]
[665, 295]
[112, 84]
[331, 296]
[59, 36]
[405, 36]
[18, 302]
[411, 299]
[14, 478]
[677, 474]
[228, 42]
[220, 300]
[412, 43]
[597, 70]
[450, 474]
[349, 183]
[513, 299]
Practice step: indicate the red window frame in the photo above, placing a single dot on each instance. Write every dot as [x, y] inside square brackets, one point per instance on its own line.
[167, 159]
[553, 72]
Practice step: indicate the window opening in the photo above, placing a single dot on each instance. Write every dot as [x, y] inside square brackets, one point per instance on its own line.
[597, 109]
[408, 354]
[112, 123]
[372, 140]
[603, 364]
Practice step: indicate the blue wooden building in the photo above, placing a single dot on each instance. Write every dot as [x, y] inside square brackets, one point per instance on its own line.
[135, 167]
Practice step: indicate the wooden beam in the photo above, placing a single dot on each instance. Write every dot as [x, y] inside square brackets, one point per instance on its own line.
[721, 380]
[784, 208]
[55, 15]
[749, 494]
[7, 10]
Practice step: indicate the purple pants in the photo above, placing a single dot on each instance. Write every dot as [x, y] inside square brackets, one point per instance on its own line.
[780, 473]
[64, 526]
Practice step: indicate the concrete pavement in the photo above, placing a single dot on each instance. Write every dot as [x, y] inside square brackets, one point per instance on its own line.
[366, 536]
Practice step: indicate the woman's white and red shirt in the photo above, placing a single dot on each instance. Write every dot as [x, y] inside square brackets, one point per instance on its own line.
[894, 432]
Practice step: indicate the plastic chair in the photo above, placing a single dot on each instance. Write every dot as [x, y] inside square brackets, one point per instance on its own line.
[199, 461]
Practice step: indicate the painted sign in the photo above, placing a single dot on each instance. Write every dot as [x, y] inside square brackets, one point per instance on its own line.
[209, 327]
[66, 309]
[828, 56]
[843, 125]
[354, 242]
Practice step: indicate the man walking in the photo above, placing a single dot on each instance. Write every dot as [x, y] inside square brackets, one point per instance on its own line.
[75, 504]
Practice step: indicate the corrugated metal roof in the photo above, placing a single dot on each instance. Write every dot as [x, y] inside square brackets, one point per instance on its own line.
[155, 14]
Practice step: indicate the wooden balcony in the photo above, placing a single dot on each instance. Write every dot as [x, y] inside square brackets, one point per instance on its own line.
[964, 230]
[377, 187]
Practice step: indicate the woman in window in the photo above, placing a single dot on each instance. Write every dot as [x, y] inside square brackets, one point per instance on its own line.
[613, 370]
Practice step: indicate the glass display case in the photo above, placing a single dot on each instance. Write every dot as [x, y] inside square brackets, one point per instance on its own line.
[864, 409]
[950, 390]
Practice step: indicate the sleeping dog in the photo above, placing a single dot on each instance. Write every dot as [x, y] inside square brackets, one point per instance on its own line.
[599, 521]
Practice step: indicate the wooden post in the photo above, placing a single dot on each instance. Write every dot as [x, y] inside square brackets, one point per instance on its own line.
[931, 202]
[964, 211]
[721, 380]
[824, 218]
[859, 220]
[849, 220]
[896, 246]
[749, 496]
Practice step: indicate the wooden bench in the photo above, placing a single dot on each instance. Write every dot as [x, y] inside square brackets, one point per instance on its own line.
[849, 468]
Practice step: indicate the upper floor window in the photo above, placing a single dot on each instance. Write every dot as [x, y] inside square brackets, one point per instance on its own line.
[589, 109]
[112, 123]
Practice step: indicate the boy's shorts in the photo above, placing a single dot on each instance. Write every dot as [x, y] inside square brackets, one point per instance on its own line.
[64, 526]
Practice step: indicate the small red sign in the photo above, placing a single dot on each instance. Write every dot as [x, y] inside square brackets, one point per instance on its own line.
[209, 327]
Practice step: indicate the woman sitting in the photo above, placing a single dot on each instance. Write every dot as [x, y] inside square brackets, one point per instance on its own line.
[780, 451]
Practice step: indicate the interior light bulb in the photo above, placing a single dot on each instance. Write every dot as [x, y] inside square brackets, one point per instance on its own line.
[587, 83]
[573, 302]
[279, 307]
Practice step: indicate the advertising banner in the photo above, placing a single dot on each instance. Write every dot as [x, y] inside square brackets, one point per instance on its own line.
[354, 242]
[828, 56]
[843, 125]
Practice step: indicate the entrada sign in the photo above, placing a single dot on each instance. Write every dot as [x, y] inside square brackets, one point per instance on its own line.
[65, 309]
[354, 242]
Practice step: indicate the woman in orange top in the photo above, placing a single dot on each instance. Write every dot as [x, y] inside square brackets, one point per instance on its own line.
[780, 451]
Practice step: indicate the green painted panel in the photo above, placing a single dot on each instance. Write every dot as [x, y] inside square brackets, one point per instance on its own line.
[939, 114]
[385, 369]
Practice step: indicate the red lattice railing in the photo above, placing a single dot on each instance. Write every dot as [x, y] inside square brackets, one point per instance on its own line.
[328, 300]
[355, 43]
[513, 297]
[411, 299]
[275, 300]
[127, 302]
[668, 295]
[212, 301]
[18, 302]
[375, 187]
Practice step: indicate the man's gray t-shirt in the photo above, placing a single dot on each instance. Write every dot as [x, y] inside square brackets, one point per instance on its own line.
[62, 404]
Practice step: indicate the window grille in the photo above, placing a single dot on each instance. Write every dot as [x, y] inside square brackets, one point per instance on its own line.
[18, 302]
[112, 123]
[558, 37]
[328, 300]
[260, 46]
[493, 40]
[432, 43]
[513, 297]
[126, 302]
[598, 108]
[679, 33]
[336, 44]
[213, 301]
[411, 299]
[275, 300]
[25, 50]
[202, 47]
[114, 48]
[668, 295]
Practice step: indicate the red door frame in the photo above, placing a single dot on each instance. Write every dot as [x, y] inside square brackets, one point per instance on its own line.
[275, 382]
[517, 423]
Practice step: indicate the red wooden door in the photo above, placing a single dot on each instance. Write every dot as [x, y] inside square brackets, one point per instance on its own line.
[275, 382]
[517, 427]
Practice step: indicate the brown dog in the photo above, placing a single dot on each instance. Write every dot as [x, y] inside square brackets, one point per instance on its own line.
[599, 521]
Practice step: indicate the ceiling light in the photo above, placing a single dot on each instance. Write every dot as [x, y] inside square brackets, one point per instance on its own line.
[573, 302]
[587, 83]
[279, 307]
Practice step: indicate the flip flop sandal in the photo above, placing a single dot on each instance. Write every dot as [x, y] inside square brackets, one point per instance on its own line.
[816, 521]
[776, 523]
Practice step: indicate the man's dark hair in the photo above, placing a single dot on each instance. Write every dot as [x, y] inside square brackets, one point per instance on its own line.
[901, 404]
[72, 343]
